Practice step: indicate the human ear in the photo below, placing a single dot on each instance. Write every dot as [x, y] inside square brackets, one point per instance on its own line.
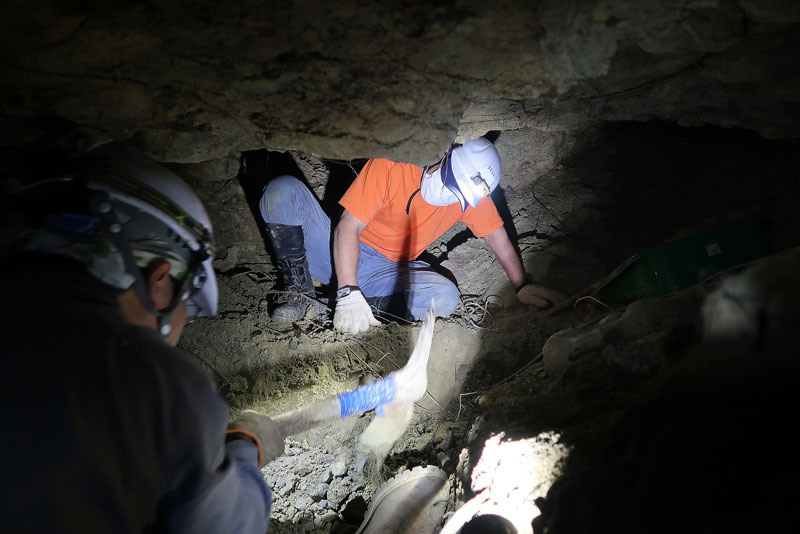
[159, 284]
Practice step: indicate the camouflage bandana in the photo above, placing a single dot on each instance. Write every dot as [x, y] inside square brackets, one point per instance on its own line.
[102, 258]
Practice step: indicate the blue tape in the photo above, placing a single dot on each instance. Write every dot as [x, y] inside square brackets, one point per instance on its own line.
[368, 397]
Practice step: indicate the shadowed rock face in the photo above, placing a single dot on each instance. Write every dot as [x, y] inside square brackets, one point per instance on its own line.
[196, 80]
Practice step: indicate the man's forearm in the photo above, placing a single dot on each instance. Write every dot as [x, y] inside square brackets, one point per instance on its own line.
[345, 249]
[507, 256]
[345, 257]
[513, 268]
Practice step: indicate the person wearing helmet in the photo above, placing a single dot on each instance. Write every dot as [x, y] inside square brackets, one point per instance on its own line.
[111, 428]
[392, 212]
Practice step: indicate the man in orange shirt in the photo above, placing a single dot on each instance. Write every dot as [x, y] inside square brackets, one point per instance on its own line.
[393, 211]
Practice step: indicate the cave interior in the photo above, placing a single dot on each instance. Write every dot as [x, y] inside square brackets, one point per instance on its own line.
[624, 128]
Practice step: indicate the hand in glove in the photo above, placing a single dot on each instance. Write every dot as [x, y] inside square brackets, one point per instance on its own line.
[539, 296]
[352, 314]
[260, 429]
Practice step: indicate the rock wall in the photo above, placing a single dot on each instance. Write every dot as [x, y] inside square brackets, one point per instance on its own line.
[195, 80]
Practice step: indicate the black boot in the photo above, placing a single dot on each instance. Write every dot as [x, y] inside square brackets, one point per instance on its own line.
[391, 308]
[290, 251]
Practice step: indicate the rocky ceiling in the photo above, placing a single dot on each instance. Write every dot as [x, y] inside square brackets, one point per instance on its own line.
[196, 80]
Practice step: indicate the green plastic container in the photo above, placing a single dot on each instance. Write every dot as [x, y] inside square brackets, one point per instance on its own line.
[685, 262]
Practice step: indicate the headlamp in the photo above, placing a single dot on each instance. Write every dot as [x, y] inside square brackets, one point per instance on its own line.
[481, 184]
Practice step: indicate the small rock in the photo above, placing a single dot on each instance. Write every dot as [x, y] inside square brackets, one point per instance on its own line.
[463, 466]
[325, 517]
[293, 451]
[318, 491]
[326, 476]
[302, 502]
[303, 470]
[360, 463]
[288, 486]
[301, 343]
[337, 493]
[422, 441]
[338, 468]
[255, 335]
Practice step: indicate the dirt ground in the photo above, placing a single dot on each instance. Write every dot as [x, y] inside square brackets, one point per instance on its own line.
[556, 433]
[326, 478]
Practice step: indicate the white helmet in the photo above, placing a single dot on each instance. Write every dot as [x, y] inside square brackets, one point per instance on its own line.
[130, 180]
[472, 171]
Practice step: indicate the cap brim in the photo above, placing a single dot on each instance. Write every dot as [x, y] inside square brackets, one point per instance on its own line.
[204, 302]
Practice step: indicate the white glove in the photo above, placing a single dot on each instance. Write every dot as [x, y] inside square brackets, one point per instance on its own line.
[352, 314]
[539, 296]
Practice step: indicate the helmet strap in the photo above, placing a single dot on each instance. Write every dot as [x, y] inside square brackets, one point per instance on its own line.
[421, 177]
[408, 206]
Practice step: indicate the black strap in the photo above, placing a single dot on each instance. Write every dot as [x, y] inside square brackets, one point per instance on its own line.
[408, 206]
[352, 288]
[527, 282]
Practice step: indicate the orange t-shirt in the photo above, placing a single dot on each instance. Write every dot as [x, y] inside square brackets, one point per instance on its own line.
[379, 196]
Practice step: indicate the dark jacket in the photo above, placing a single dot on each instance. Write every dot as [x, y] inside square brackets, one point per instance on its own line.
[106, 427]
